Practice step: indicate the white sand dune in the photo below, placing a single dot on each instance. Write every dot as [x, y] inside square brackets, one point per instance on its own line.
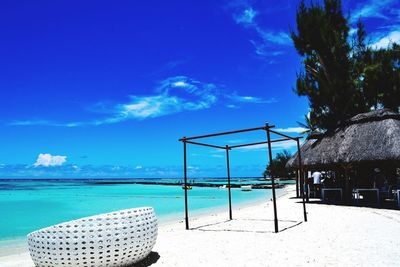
[333, 236]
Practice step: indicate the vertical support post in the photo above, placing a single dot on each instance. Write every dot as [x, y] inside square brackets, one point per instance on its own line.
[347, 189]
[303, 184]
[306, 185]
[229, 182]
[297, 182]
[185, 184]
[272, 178]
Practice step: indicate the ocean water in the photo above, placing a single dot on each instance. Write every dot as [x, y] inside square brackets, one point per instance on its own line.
[29, 205]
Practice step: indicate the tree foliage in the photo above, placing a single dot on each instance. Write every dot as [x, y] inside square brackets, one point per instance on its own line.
[309, 124]
[279, 165]
[342, 76]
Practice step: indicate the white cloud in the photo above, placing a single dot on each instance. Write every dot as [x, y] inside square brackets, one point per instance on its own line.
[76, 168]
[47, 160]
[264, 50]
[29, 122]
[371, 9]
[280, 38]
[246, 17]
[384, 42]
[175, 94]
[217, 156]
[352, 31]
[172, 95]
[250, 99]
[150, 106]
[291, 130]
[385, 10]
[86, 171]
[231, 106]
[284, 145]
[44, 123]
[193, 169]
[180, 84]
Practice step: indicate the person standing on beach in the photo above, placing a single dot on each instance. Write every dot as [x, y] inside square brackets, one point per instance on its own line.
[316, 177]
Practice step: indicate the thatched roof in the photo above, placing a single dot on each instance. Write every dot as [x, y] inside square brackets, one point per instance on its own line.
[367, 137]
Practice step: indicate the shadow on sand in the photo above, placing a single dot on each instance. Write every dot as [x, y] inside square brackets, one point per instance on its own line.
[148, 261]
[387, 204]
[226, 226]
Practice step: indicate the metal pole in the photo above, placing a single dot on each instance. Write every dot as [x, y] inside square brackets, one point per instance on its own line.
[306, 187]
[229, 182]
[272, 178]
[297, 182]
[283, 135]
[185, 184]
[224, 133]
[202, 144]
[303, 184]
[260, 143]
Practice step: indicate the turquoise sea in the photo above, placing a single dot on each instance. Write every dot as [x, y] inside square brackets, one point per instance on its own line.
[28, 205]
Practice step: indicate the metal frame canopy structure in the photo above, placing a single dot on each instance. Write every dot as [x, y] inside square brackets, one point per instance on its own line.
[267, 128]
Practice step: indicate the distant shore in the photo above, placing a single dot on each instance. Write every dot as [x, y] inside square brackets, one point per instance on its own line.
[193, 184]
[333, 236]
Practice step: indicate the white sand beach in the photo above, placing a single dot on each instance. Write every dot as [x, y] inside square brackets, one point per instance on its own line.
[333, 236]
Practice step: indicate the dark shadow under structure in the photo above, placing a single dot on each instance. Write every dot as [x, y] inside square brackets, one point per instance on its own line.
[227, 148]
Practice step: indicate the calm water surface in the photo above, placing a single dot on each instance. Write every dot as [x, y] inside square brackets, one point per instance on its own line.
[29, 205]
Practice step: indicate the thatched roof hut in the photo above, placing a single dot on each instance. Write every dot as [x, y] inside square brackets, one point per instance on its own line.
[368, 137]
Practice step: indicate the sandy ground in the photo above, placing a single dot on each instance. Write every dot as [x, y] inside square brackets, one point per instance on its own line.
[333, 236]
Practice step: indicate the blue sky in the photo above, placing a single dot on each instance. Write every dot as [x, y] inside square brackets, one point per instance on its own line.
[106, 88]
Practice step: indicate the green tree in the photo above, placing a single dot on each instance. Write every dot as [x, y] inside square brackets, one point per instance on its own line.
[376, 72]
[279, 165]
[309, 124]
[382, 77]
[341, 78]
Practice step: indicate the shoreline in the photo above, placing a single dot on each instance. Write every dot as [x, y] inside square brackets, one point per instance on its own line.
[196, 184]
[18, 245]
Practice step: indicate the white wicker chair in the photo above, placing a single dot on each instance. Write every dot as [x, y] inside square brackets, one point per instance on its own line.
[119, 238]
